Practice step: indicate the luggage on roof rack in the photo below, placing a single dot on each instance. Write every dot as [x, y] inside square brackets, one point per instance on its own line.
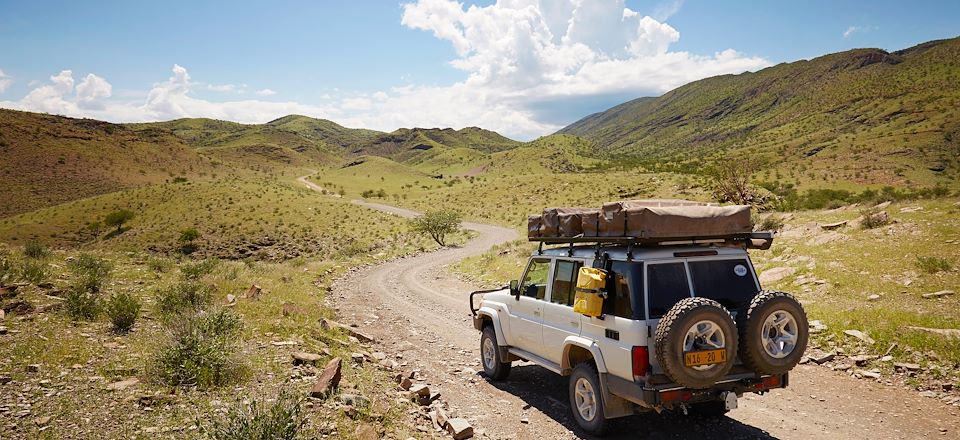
[645, 222]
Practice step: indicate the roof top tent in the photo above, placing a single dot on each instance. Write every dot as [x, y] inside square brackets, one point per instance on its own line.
[649, 223]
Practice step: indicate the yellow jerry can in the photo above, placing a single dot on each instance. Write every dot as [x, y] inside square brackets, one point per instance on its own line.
[589, 297]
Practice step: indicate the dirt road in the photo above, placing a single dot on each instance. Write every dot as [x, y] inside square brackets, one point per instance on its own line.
[417, 309]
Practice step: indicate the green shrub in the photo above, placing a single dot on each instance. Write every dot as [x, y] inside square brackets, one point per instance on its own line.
[90, 272]
[187, 238]
[8, 271]
[158, 264]
[282, 420]
[36, 250]
[201, 350]
[81, 304]
[123, 310]
[118, 218]
[437, 224]
[196, 270]
[33, 271]
[185, 296]
[932, 264]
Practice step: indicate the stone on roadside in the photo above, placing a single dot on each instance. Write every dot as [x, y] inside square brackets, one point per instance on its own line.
[253, 292]
[231, 298]
[366, 431]
[816, 326]
[832, 226]
[33, 368]
[302, 357]
[291, 309]
[931, 394]
[328, 324]
[860, 335]
[460, 429]
[861, 359]
[42, 421]
[945, 332]
[328, 380]
[3, 315]
[123, 384]
[939, 294]
[906, 366]
[406, 383]
[873, 297]
[776, 274]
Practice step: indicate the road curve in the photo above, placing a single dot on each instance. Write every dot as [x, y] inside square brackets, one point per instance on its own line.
[417, 309]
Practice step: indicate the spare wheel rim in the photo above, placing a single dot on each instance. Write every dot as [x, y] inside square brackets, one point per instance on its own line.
[585, 399]
[489, 354]
[779, 335]
[704, 335]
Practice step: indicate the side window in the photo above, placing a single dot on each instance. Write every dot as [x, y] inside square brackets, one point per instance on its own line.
[625, 290]
[565, 282]
[666, 284]
[534, 282]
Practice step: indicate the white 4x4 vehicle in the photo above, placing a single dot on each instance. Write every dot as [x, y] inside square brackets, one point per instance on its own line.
[683, 327]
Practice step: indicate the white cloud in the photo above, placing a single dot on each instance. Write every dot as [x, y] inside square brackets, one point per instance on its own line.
[529, 68]
[5, 81]
[851, 30]
[667, 9]
[222, 87]
[92, 91]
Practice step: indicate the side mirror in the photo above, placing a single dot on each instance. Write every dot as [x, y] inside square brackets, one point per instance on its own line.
[515, 288]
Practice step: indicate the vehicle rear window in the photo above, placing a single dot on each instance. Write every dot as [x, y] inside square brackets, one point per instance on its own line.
[564, 282]
[666, 284]
[625, 290]
[729, 282]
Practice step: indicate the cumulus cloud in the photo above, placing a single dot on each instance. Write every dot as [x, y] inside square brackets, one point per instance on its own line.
[222, 87]
[529, 68]
[5, 81]
[856, 30]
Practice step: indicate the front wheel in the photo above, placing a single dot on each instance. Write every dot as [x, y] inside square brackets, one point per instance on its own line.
[586, 401]
[493, 366]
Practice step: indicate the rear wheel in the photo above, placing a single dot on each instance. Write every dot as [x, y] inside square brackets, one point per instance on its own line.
[700, 327]
[773, 333]
[586, 401]
[493, 366]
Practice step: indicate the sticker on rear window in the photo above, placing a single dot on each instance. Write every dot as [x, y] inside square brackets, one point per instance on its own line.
[740, 270]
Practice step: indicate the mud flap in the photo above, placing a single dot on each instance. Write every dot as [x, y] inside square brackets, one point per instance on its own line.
[729, 400]
[614, 406]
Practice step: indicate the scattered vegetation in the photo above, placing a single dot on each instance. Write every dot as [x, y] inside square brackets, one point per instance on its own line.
[123, 310]
[89, 272]
[185, 296]
[198, 269]
[770, 222]
[437, 224]
[33, 271]
[36, 250]
[201, 350]
[283, 419]
[187, 240]
[118, 218]
[932, 264]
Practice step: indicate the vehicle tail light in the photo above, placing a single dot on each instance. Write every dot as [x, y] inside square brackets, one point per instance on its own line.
[641, 362]
[771, 382]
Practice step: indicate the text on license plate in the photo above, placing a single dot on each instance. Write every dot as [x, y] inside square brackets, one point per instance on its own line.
[705, 357]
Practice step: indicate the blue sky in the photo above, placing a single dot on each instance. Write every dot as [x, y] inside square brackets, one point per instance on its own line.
[523, 67]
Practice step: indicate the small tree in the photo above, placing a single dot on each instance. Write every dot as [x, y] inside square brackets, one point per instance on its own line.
[187, 238]
[730, 179]
[118, 218]
[437, 224]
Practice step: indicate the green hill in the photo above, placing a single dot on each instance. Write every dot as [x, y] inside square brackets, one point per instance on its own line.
[863, 116]
[48, 160]
[408, 144]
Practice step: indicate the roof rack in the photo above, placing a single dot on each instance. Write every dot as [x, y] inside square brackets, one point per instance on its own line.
[751, 240]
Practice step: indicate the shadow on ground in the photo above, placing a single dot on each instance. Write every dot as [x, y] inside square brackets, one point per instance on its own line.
[547, 392]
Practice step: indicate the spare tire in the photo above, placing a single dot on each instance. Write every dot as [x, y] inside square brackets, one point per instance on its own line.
[773, 332]
[696, 325]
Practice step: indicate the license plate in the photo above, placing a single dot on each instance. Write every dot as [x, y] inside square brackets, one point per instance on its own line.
[706, 357]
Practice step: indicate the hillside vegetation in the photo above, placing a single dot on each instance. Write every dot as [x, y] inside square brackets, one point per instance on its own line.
[863, 116]
[51, 159]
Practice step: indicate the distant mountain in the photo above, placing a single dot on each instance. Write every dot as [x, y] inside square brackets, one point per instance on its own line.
[46, 160]
[863, 115]
[410, 143]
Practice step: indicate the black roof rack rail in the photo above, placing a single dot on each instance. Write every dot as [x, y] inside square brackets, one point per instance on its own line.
[750, 240]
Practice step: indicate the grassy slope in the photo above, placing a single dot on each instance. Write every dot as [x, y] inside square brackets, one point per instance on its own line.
[862, 116]
[237, 217]
[52, 159]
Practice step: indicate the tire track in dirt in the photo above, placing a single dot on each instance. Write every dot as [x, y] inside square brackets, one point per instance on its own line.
[417, 309]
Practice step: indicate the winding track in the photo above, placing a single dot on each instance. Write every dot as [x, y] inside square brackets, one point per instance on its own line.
[417, 309]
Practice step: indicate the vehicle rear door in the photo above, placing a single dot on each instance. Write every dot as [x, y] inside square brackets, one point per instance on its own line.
[559, 319]
[526, 312]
